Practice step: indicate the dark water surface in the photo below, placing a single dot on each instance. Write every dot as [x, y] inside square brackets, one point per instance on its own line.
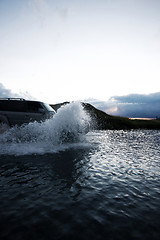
[105, 187]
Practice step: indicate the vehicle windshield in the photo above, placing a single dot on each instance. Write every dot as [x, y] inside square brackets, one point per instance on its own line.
[48, 107]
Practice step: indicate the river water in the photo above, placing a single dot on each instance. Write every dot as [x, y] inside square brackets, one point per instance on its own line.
[99, 185]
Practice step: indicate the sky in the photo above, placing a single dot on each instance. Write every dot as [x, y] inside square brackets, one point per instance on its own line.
[102, 51]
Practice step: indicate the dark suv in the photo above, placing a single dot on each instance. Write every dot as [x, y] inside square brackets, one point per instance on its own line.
[17, 111]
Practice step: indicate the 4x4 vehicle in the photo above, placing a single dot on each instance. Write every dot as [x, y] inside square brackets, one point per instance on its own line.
[17, 111]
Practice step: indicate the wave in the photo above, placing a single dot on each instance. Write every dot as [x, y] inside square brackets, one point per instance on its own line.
[67, 128]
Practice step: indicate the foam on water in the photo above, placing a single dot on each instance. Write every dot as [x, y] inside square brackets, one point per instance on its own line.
[66, 129]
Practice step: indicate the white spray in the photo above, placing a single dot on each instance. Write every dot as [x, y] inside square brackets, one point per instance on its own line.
[67, 126]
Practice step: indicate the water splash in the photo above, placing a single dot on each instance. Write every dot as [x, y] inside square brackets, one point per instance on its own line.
[66, 127]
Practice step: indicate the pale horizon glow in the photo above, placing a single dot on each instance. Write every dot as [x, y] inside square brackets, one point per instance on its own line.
[74, 50]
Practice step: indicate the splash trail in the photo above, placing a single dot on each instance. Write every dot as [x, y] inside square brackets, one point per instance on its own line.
[67, 128]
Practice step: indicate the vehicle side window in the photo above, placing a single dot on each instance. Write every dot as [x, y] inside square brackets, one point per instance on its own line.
[34, 107]
[13, 106]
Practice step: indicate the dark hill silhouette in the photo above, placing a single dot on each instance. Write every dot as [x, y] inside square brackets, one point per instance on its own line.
[104, 121]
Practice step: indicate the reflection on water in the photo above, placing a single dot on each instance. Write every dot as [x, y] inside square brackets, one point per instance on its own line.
[108, 188]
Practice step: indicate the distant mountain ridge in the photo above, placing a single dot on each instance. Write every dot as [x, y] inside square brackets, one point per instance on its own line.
[104, 121]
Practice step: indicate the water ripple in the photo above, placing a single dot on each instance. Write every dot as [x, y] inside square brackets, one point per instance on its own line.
[108, 190]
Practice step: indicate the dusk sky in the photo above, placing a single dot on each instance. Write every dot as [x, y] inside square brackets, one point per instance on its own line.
[64, 50]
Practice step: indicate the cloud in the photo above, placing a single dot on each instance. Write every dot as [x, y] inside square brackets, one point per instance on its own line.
[138, 105]
[7, 93]
[132, 105]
